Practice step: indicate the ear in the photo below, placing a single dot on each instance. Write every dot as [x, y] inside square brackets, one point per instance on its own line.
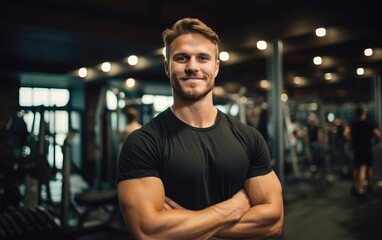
[166, 66]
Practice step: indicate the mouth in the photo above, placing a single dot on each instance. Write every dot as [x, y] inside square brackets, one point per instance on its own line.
[192, 79]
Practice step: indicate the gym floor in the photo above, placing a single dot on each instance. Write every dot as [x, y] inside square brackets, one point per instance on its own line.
[326, 210]
[319, 209]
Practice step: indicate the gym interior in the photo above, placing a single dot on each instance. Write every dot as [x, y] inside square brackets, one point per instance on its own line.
[70, 70]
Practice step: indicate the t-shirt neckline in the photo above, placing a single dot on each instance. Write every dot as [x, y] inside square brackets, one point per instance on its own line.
[192, 127]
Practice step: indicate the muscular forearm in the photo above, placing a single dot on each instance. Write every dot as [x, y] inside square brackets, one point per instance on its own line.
[266, 216]
[186, 224]
[261, 221]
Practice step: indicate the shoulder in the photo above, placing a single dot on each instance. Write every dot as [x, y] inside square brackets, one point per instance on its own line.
[248, 133]
[236, 124]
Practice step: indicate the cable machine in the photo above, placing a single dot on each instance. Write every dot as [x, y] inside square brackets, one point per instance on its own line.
[109, 122]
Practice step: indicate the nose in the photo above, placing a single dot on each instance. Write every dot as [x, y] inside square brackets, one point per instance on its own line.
[192, 65]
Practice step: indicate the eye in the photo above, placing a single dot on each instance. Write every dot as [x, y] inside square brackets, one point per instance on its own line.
[203, 58]
[180, 58]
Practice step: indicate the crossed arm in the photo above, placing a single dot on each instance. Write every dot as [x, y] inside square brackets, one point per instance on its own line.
[254, 213]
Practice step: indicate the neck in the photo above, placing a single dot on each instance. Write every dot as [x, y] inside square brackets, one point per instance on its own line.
[200, 114]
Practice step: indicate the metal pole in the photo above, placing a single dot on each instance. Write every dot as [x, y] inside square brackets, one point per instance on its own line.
[378, 100]
[276, 91]
[99, 137]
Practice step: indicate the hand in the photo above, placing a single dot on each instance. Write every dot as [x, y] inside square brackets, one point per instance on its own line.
[169, 204]
[243, 199]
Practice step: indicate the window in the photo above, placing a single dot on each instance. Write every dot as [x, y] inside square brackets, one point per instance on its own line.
[53, 114]
[43, 96]
[160, 102]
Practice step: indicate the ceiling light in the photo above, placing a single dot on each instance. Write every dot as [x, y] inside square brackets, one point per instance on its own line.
[224, 56]
[132, 60]
[265, 84]
[328, 76]
[82, 72]
[331, 117]
[130, 82]
[298, 80]
[106, 67]
[284, 97]
[320, 32]
[261, 45]
[368, 52]
[360, 71]
[317, 60]
[111, 100]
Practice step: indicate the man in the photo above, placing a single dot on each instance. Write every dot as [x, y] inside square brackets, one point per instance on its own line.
[194, 172]
[132, 123]
[314, 141]
[360, 133]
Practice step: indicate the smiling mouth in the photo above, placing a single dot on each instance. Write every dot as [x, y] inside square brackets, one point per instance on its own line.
[192, 79]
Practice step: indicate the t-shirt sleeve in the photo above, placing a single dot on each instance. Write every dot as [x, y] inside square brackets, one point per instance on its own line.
[138, 157]
[260, 159]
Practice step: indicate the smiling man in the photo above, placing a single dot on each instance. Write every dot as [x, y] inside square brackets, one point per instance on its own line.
[194, 172]
[193, 68]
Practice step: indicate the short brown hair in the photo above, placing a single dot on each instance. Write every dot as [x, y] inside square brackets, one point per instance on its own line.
[188, 25]
[359, 111]
[132, 114]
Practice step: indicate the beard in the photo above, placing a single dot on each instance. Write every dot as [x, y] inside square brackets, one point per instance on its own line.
[191, 94]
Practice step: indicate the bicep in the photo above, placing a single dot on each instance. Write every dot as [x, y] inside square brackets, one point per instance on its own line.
[140, 199]
[264, 189]
[267, 210]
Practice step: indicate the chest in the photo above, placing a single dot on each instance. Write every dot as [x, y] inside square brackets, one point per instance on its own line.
[211, 157]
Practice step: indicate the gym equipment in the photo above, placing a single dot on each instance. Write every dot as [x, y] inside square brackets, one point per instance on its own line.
[36, 164]
[31, 223]
[65, 193]
[85, 203]
[13, 138]
[108, 125]
[106, 141]
[105, 200]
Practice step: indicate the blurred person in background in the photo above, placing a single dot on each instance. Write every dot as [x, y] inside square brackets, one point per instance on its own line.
[132, 123]
[361, 134]
[314, 142]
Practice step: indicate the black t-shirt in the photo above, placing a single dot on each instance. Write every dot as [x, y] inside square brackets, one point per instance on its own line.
[362, 135]
[199, 167]
[313, 133]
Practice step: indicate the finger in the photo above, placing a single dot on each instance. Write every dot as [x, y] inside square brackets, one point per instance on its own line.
[166, 207]
[172, 203]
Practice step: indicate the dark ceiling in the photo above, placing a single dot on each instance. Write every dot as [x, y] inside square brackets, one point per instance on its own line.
[52, 39]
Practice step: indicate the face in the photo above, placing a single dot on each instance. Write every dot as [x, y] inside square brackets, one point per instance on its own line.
[192, 66]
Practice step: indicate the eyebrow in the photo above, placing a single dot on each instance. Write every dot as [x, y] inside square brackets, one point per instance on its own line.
[180, 54]
[185, 54]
